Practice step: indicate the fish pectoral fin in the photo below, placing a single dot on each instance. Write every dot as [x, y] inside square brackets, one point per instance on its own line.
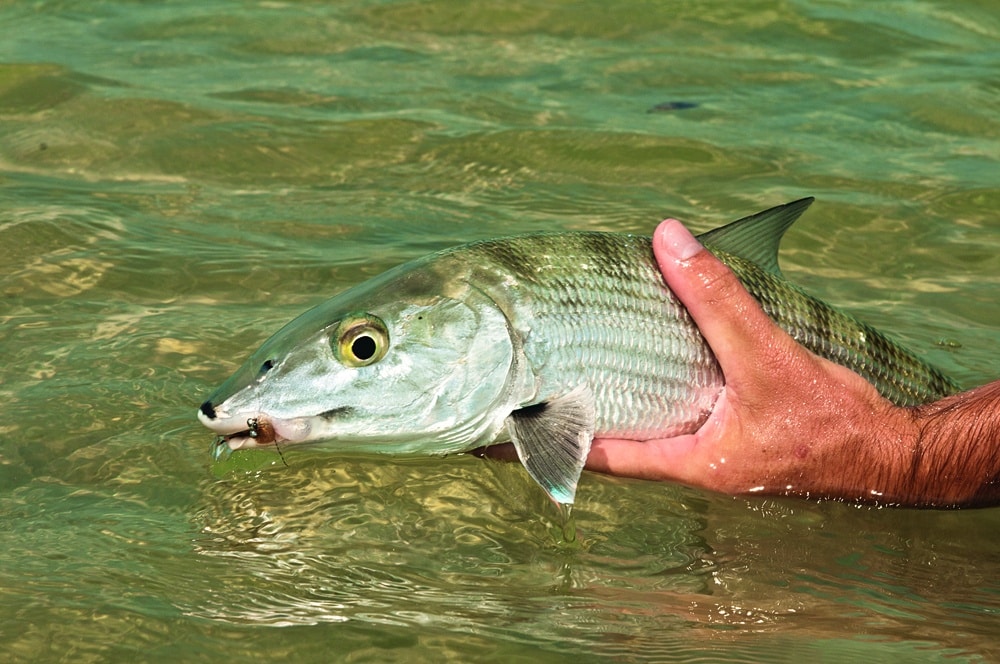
[553, 440]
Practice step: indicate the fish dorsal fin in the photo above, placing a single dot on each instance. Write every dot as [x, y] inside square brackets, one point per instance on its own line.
[553, 440]
[756, 238]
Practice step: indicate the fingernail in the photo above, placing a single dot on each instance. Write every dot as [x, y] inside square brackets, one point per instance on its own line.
[677, 241]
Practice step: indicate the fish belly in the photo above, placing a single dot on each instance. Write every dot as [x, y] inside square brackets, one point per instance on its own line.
[651, 375]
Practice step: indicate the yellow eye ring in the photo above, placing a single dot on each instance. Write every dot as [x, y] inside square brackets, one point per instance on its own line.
[360, 340]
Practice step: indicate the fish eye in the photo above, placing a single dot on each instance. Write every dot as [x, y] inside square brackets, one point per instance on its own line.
[364, 347]
[360, 340]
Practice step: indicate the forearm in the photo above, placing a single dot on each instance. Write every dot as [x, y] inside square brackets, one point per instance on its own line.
[955, 460]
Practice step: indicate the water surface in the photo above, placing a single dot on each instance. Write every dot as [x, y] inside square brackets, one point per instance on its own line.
[180, 179]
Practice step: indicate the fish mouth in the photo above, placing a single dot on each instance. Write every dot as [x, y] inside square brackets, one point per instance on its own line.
[259, 432]
[247, 430]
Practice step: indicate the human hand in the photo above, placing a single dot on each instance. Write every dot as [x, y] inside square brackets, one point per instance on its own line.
[787, 421]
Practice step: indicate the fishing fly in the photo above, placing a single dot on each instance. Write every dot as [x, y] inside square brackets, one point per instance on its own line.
[253, 427]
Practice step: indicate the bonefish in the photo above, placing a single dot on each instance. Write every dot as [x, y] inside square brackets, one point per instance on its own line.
[545, 340]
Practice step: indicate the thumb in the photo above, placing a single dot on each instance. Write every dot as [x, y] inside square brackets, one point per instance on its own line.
[730, 319]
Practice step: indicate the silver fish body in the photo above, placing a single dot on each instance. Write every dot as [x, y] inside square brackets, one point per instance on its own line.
[547, 340]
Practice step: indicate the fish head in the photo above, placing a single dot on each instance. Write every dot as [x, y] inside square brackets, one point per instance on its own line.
[408, 362]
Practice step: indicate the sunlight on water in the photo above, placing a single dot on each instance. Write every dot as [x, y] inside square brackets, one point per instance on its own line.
[180, 179]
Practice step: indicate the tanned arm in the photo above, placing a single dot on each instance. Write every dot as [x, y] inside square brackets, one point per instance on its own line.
[956, 458]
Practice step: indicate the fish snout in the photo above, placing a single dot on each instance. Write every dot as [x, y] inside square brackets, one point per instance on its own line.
[206, 410]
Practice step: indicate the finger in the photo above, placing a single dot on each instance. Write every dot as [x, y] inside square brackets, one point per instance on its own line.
[730, 319]
[650, 460]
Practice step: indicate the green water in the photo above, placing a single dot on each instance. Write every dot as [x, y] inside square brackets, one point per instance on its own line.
[179, 179]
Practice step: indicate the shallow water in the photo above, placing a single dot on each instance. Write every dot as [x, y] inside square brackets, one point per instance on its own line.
[179, 180]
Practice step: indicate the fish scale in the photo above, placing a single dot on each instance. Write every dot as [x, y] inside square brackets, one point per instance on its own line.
[593, 308]
[632, 289]
[897, 373]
